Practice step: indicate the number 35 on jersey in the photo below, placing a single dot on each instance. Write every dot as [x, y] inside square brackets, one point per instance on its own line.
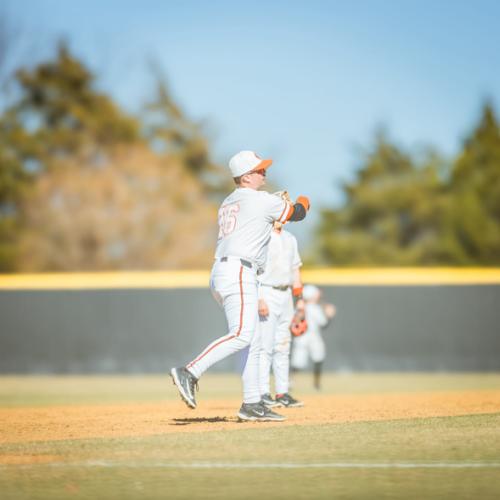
[228, 219]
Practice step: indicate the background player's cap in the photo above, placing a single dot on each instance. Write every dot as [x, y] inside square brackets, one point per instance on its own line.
[246, 161]
[310, 292]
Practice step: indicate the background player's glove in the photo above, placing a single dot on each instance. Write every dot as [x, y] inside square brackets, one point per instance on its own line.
[298, 326]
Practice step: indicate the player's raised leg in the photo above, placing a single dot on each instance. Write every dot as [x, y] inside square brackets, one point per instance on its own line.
[239, 300]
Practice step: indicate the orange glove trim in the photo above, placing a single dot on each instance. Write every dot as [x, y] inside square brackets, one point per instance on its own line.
[304, 200]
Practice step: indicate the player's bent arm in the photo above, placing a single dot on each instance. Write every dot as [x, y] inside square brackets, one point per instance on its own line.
[297, 286]
[297, 278]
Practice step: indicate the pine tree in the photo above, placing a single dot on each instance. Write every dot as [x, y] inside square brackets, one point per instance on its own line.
[392, 214]
[475, 185]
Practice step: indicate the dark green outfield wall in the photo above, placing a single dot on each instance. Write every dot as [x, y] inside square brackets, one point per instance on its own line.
[377, 328]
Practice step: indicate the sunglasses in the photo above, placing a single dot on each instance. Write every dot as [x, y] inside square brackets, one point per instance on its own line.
[261, 171]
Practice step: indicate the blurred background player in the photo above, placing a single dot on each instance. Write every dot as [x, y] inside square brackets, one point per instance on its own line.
[276, 285]
[311, 343]
[246, 219]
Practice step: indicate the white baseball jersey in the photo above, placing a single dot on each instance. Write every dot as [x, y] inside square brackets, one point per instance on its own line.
[282, 260]
[316, 318]
[245, 224]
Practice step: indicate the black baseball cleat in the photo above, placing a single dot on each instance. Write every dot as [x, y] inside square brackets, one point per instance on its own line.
[258, 412]
[287, 401]
[186, 382]
[268, 401]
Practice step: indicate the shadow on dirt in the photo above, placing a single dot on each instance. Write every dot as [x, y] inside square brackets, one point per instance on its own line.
[199, 420]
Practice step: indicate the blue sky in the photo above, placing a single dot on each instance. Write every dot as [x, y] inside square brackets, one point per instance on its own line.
[304, 83]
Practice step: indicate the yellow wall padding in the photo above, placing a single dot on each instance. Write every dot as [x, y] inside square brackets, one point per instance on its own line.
[200, 279]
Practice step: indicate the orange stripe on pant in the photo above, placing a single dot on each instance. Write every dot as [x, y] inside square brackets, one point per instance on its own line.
[204, 353]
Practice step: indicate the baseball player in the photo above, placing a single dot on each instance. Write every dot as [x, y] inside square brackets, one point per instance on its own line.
[246, 219]
[311, 343]
[280, 280]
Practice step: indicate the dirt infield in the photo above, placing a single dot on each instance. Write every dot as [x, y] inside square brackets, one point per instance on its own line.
[53, 423]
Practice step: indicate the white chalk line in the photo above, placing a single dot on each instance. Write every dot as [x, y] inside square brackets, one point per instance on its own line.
[224, 465]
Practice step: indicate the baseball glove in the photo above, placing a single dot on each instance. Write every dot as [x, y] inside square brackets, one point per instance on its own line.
[298, 326]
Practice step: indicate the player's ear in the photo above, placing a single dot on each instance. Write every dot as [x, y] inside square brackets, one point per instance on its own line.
[244, 179]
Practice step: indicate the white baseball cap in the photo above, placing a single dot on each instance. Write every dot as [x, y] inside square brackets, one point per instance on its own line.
[247, 161]
[310, 292]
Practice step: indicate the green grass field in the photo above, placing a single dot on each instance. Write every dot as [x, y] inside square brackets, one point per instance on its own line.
[454, 456]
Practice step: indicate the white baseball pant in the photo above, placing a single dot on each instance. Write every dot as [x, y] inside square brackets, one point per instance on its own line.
[234, 286]
[276, 339]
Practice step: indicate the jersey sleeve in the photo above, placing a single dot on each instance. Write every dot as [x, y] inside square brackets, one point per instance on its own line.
[276, 208]
[316, 314]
